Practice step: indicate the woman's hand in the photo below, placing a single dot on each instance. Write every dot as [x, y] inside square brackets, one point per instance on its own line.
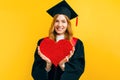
[48, 61]
[66, 59]
[71, 53]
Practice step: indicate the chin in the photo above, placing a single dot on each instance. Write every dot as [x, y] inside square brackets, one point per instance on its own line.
[60, 33]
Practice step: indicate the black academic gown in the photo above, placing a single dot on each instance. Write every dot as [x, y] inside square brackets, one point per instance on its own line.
[73, 69]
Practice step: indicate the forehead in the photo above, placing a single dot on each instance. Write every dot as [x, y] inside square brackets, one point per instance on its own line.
[61, 17]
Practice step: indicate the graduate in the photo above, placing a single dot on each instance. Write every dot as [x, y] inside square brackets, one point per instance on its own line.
[72, 63]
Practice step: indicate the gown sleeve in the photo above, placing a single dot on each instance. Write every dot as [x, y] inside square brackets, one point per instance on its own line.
[75, 67]
[38, 68]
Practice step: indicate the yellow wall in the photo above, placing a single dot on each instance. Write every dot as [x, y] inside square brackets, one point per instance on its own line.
[23, 22]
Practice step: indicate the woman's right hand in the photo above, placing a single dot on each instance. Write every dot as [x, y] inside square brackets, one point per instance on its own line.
[66, 59]
[48, 61]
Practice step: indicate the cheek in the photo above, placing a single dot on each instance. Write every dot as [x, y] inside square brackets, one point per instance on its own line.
[65, 25]
[65, 28]
[55, 24]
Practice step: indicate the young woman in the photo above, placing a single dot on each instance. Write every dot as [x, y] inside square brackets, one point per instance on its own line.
[69, 68]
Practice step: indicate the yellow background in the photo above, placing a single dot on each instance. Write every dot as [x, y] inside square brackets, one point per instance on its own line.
[24, 22]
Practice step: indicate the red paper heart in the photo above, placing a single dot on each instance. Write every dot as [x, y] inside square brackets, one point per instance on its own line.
[55, 51]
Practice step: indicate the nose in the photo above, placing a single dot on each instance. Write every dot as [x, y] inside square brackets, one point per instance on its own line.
[59, 24]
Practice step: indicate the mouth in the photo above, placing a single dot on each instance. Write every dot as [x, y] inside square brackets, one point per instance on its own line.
[59, 29]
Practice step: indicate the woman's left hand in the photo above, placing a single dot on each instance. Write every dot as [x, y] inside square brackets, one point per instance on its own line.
[66, 59]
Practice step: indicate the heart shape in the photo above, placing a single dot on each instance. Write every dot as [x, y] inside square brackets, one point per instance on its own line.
[55, 51]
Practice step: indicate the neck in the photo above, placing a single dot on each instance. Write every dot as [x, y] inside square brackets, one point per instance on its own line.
[59, 37]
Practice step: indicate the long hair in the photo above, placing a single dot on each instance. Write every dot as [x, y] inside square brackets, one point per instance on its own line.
[68, 32]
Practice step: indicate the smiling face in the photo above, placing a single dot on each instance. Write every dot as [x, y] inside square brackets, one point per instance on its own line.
[60, 25]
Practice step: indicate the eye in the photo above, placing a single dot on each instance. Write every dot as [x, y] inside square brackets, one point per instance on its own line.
[63, 21]
[57, 21]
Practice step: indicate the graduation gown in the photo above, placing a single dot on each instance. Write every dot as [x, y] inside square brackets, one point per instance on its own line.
[73, 69]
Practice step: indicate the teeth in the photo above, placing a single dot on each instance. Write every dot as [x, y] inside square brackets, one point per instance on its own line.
[59, 29]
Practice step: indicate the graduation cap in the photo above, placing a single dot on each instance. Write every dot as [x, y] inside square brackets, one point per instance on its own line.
[63, 8]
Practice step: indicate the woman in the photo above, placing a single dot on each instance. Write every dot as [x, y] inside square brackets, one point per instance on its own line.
[69, 68]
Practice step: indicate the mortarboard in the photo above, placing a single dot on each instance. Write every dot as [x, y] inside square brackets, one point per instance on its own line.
[63, 8]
